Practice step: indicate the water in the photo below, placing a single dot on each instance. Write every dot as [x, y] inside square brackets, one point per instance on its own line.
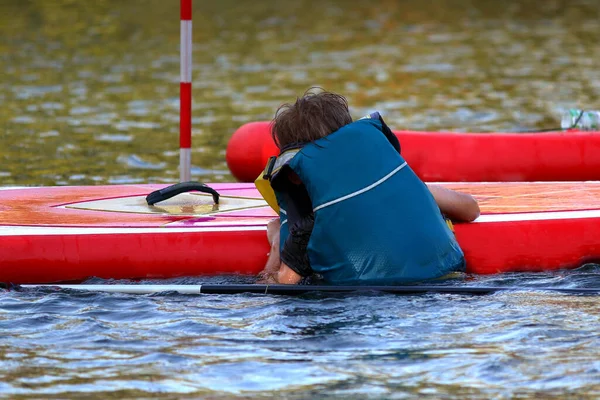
[518, 344]
[89, 89]
[89, 95]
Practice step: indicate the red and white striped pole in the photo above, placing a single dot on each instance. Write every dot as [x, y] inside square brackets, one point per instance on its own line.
[185, 93]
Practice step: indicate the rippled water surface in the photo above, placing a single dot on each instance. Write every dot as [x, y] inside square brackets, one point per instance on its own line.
[89, 89]
[521, 344]
[89, 94]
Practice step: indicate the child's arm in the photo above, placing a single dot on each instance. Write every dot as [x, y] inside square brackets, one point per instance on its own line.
[273, 265]
[275, 271]
[287, 276]
[455, 205]
[294, 252]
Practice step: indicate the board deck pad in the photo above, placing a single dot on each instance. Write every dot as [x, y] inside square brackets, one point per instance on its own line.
[125, 205]
[185, 204]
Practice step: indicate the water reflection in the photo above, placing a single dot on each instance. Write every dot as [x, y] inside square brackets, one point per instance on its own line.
[76, 71]
[530, 344]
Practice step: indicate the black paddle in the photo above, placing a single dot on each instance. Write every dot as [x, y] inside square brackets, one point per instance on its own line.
[294, 290]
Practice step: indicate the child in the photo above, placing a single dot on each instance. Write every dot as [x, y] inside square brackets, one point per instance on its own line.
[352, 211]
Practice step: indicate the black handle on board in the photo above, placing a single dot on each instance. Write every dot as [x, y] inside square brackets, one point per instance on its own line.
[183, 187]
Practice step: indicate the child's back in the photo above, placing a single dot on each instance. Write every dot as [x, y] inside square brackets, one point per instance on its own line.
[352, 210]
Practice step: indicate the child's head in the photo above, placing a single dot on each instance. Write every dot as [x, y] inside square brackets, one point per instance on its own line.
[311, 117]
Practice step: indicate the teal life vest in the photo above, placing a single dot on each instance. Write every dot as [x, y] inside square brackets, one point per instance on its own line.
[375, 221]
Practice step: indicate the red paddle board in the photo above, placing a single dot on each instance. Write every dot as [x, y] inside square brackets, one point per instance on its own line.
[455, 157]
[69, 234]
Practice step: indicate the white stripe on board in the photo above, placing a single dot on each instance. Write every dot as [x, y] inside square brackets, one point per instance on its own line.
[50, 231]
[538, 216]
[53, 230]
[361, 191]
[18, 187]
[186, 51]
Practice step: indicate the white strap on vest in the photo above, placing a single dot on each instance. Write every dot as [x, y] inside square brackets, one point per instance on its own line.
[361, 191]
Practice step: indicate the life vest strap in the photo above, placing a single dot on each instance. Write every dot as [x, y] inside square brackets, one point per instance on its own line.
[361, 191]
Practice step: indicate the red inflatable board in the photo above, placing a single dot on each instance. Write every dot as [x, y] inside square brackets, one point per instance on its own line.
[69, 234]
[455, 157]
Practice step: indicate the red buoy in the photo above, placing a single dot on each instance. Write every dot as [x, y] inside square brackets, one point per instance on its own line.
[249, 150]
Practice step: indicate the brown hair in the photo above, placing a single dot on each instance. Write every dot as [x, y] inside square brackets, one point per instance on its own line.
[311, 117]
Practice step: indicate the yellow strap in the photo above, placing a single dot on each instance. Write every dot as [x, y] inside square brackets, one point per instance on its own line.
[266, 191]
[264, 185]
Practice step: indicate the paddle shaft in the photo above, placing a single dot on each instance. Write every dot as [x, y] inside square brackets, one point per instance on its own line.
[293, 290]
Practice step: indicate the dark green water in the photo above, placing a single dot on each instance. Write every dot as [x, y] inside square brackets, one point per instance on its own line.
[89, 94]
[89, 89]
